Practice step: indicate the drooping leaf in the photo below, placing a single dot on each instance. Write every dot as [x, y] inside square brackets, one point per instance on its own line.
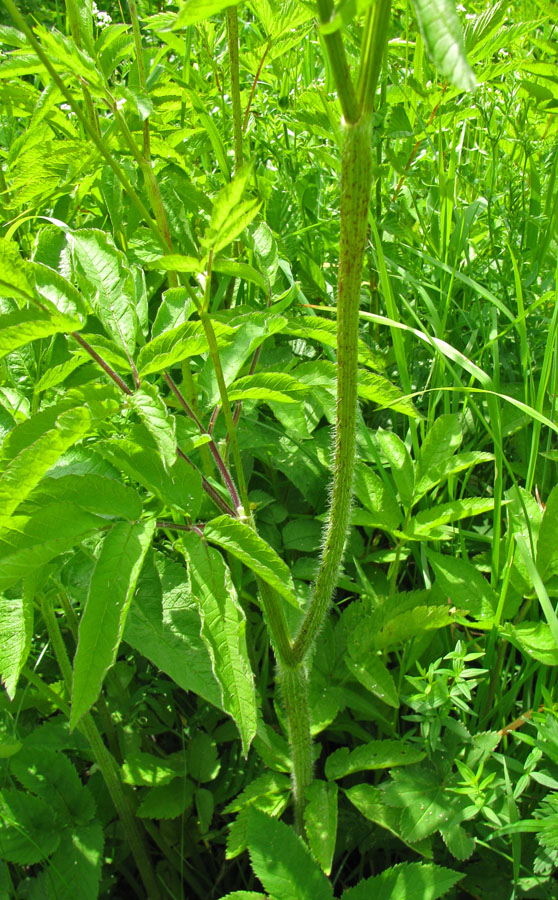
[224, 633]
[373, 755]
[24, 325]
[410, 623]
[28, 830]
[102, 623]
[242, 541]
[282, 862]
[164, 626]
[25, 470]
[442, 33]
[406, 881]
[155, 416]
[108, 283]
[370, 801]
[16, 631]
[320, 821]
[28, 542]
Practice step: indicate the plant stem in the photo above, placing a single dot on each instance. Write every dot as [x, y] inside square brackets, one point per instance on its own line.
[339, 65]
[356, 181]
[293, 684]
[232, 41]
[105, 761]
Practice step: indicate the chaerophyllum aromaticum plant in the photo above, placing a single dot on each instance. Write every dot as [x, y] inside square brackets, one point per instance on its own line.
[137, 342]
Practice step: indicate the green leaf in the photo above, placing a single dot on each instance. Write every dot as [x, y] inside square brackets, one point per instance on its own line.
[427, 802]
[16, 631]
[149, 406]
[14, 280]
[406, 881]
[28, 830]
[369, 669]
[196, 10]
[164, 626]
[282, 861]
[411, 623]
[373, 755]
[447, 467]
[442, 441]
[94, 493]
[167, 801]
[320, 820]
[269, 386]
[51, 776]
[242, 542]
[428, 520]
[534, 639]
[26, 469]
[547, 546]
[108, 283]
[224, 633]
[316, 328]
[75, 868]
[102, 623]
[231, 214]
[239, 270]
[381, 509]
[381, 391]
[369, 800]
[56, 375]
[24, 325]
[28, 542]
[62, 295]
[459, 843]
[464, 585]
[179, 488]
[441, 30]
[175, 262]
[401, 464]
[175, 345]
[145, 769]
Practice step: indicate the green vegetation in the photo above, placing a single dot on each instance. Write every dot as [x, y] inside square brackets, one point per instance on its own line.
[238, 664]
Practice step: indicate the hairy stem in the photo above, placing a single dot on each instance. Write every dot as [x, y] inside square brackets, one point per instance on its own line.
[293, 683]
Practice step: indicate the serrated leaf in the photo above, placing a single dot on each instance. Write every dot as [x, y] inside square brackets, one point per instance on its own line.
[102, 623]
[370, 801]
[94, 493]
[406, 881]
[52, 286]
[224, 633]
[230, 214]
[108, 284]
[149, 406]
[381, 391]
[16, 631]
[427, 802]
[75, 868]
[459, 843]
[50, 775]
[173, 346]
[14, 280]
[443, 36]
[464, 585]
[373, 755]
[242, 542]
[320, 821]
[316, 328]
[56, 375]
[28, 830]
[269, 386]
[196, 10]
[24, 325]
[28, 542]
[428, 520]
[179, 488]
[26, 469]
[282, 861]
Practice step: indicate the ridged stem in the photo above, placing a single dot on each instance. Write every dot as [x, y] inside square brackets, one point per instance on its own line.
[356, 181]
[293, 684]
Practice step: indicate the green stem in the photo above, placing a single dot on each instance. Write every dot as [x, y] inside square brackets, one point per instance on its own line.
[293, 684]
[371, 54]
[274, 612]
[232, 41]
[141, 71]
[356, 181]
[105, 761]
[339, 65]
[75, 30]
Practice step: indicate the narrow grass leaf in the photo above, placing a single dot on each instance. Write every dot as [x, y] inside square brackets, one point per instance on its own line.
[441, 30]
[224, 633]
[320, 820]
[242, 541]
[102, 624]
[282, 861]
